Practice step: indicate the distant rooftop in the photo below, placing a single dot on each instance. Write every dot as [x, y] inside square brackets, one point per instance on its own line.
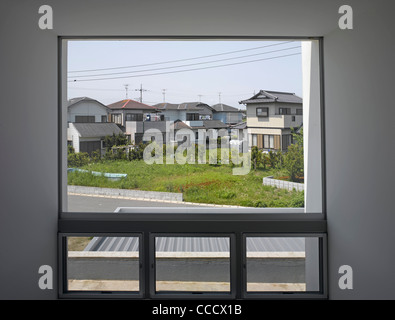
[265, 96]
[97, 129]
[76, 100]
[130, 104]
[220, 107]
[188, 106]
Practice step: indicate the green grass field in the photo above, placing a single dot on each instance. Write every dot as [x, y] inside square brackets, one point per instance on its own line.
[202, 183]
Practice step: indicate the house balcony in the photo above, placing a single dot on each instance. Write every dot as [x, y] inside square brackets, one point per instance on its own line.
[276, 121]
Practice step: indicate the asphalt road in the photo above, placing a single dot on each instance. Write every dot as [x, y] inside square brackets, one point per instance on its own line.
[98, 204]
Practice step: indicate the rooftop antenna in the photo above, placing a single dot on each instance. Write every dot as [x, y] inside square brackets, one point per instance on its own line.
[164, 95]
[200, 98]
[219, 96]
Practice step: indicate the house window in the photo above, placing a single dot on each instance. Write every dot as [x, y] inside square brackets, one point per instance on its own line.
[235, 258]
[192, 116]
[103, 118]
[116, 118]
[254, 140]
[293, 118]
[262, 112]
[299, 112]
[84, 119]
[268, 141]
[286, 141]
[284, 111]
[134, 117]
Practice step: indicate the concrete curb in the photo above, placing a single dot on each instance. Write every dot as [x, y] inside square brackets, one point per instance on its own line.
[126, 193]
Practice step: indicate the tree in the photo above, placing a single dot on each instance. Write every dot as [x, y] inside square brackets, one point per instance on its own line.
[293, 159]
[257, 157]
[115, 140]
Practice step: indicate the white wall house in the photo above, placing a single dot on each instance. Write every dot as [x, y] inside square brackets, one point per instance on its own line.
[85, 109]
[89, 137]
[270, 117]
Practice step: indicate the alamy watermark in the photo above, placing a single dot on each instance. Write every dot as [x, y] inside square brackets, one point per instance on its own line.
[188, 146]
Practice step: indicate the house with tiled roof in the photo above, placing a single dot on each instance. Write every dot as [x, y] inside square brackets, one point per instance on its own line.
[130, 110]
[271, 115]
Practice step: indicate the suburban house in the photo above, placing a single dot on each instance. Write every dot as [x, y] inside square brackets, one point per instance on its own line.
[227, 114]
[130, 110]
[270, 117]
[87, 125]
[89, 137]
[85, 109]
[187, 111]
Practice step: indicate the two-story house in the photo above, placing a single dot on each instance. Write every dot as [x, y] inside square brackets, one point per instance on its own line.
[87, 125]
[86, 110]
[130, 110]
[270, 117]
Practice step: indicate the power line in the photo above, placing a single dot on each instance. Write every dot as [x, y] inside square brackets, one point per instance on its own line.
[187, 59]
[195, 69]
[185, 65]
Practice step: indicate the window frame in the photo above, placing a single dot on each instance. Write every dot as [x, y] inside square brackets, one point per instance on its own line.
[284, 111]
[192, 116]
[147, 221]
[263, 109]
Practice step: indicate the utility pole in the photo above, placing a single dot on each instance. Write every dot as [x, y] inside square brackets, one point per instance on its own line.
[141, 92]
[164, 95]
[126, 88]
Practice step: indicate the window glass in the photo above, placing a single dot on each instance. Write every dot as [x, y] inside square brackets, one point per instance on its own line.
[192, 264]
[220, 168]
[278, 264]
[103, 264]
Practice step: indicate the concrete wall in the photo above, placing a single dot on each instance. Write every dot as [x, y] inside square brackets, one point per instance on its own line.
[288, 185]
[358, 85]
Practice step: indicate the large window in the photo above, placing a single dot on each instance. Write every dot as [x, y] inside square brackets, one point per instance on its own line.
[134, 117]
[284, 110]
[181, 217]
[192, 116]
[84, 119]
[262, 112]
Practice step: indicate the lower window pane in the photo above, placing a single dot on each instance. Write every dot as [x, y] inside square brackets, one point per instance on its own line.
[192, 264]
[283, 264]
[103, 264]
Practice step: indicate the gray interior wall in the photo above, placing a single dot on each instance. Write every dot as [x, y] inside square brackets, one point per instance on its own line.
[359, 115]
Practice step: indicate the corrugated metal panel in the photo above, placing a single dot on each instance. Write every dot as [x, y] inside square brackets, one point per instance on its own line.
[99, 129]
[197, 244]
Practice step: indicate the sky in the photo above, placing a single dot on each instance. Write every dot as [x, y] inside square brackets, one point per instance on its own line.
[188, 71]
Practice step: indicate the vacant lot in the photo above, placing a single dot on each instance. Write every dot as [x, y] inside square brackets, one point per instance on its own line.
[203, 183]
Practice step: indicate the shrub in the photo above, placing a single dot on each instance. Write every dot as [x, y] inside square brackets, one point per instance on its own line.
[77, 159]
[257, 158]
[293, 161]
